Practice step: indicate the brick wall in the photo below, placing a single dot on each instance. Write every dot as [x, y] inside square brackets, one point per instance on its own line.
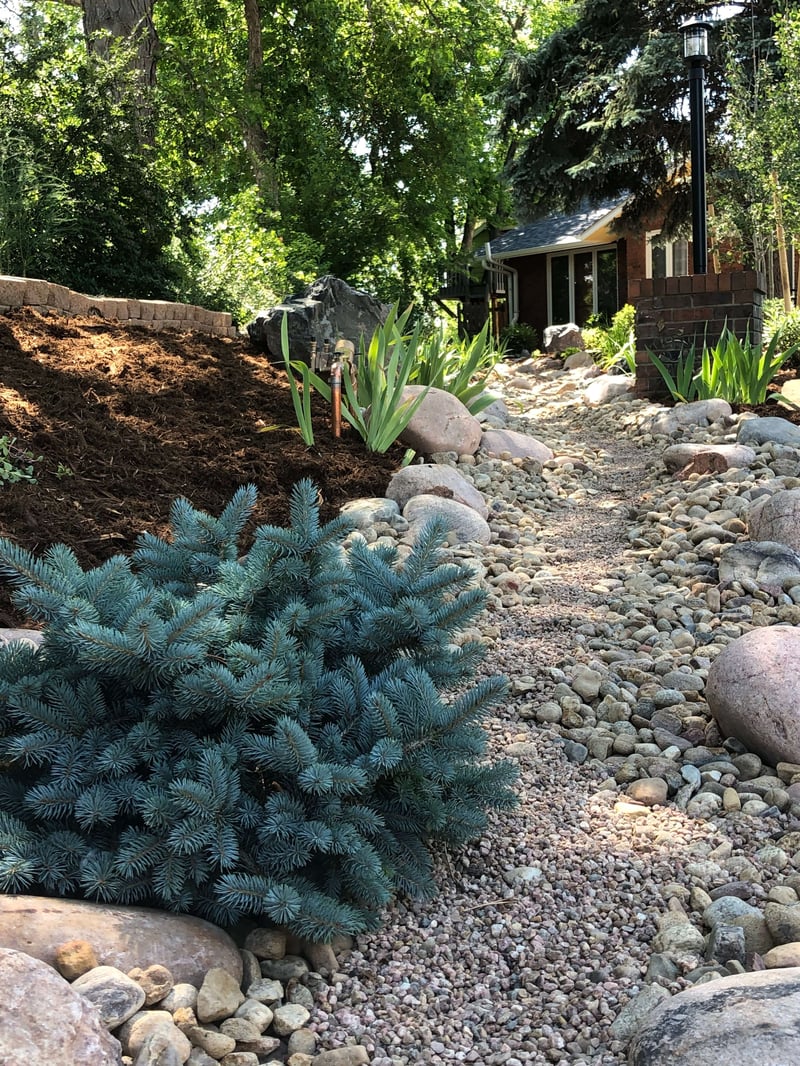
[674, 313]
[152, 314]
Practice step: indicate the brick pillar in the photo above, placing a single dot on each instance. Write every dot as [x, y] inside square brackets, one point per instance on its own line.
[672, 314]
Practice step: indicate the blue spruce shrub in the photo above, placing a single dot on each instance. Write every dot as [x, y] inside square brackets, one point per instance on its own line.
[282, 734]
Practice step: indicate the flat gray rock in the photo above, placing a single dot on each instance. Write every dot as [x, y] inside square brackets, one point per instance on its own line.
[676, 456]
[749, 1019]
[518, 445]
[698, 413]
[767, 562]
[766, 430]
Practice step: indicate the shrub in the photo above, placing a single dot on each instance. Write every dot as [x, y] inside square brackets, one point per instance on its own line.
[786, 327]
[282, 734]
[519, 337]
[733, 370]
[616, 345]
[460, 367]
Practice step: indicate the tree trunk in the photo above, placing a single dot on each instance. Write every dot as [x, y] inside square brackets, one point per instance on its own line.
[255, 136]
[129, 20]
[780, 232]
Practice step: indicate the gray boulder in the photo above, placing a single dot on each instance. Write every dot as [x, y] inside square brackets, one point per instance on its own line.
[753, 692]
[766, 430]
[608, 387]
[698, 413]
[766, 562]
[116, 997]
[462, 523]
[750, 1019]
[328, 310]
[43, 1021]
[776, 518]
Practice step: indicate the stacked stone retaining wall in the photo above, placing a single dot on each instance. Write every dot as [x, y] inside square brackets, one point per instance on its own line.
[152, 314]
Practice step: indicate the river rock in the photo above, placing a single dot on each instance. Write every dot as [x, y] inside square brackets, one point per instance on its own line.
[753, 692]
[44, 1021]
[116, 997]
[777, 518]
[438, 480]
[608, 387]
[672, 420]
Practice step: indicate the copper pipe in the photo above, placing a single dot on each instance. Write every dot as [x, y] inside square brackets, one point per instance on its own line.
[336, 398]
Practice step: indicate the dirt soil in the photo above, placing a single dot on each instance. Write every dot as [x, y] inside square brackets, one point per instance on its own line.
[124, 420]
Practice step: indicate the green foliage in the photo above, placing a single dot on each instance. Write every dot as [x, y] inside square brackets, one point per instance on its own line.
[374, 406]
[460, 367]
[301, 401]
[786, 327]
[518, 337]
[597, 110]
[732, 370]
[617, 344]
[288, 733]
[16, 464]
[236, 259]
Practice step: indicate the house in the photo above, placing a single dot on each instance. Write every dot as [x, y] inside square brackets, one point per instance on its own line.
[566, 268]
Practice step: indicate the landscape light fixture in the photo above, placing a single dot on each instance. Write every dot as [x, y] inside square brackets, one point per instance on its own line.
[695, 51]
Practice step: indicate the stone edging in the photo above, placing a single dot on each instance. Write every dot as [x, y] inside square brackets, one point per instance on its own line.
[151, 314]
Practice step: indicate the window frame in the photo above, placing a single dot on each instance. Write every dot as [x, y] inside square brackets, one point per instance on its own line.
[669, 255]
[571, 253]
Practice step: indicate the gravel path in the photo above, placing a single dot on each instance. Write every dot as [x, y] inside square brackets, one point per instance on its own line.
[541, 931]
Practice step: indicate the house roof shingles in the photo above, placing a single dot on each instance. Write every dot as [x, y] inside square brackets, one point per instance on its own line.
[554, 231]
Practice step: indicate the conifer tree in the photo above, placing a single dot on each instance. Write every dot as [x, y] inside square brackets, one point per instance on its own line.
[283, 734]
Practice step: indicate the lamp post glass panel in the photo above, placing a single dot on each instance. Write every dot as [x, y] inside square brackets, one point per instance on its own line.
[695, 50]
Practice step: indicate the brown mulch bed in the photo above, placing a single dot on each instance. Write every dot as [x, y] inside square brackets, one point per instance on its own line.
[126, 419]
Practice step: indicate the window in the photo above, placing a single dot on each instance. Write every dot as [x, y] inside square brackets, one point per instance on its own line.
[581, 284]
[667, 260]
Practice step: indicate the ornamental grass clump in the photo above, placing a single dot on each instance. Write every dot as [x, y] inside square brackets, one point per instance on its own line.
[734, 370]
[286, 734]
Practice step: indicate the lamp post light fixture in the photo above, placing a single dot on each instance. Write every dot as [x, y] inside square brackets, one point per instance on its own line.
[695, 51]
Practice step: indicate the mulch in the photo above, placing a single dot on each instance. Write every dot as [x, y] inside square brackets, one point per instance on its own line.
[123, 420]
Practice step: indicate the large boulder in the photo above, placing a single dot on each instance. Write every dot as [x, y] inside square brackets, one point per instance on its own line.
[328, 310]
[125, 937]
[753, 692]
[463, 525]
[773, 430]
[749, 1019]
[44, 1022]
[441, 423]
[608, 387]
[766, 562]
[438, 480]
[561, 337]
[496, 442]
[677, 456]
[777, 518]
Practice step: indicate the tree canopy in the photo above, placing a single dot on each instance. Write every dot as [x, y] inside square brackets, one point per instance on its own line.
[600, 108]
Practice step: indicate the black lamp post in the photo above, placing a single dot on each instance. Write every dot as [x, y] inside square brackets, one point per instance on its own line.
[695, 50]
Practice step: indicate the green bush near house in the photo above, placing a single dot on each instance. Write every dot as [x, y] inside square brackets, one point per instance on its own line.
[734, 370]
[288, 733]
[615, 345]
